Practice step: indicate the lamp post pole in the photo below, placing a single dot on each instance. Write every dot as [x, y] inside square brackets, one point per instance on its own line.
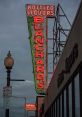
[8, 85]
[8, 62]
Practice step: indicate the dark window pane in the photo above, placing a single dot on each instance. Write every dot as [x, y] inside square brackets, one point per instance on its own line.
[54, 110]
[61, 106]
[65, 104]
[70, 99]
[57, 107]
[77, 96]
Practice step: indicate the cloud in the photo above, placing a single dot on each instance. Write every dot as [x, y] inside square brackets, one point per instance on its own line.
[26, 83]
[30, 82]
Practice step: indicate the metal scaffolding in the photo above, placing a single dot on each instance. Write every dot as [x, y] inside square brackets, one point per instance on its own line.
[61, 30]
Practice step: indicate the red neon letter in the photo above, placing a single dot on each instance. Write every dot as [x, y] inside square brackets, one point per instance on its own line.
[40, 85]
[39, 39]
[28, 7]
[39, 47]
[38, 19]
[40, 76]
[48, 13]
[40, 61]
[39, 54]
[40, 68]
[39, 33]
[38, 27]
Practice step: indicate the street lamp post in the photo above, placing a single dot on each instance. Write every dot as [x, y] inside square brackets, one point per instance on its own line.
[8, 62]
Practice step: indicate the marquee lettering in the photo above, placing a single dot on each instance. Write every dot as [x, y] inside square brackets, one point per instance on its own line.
[40, 10]
[40, 61]
[39, 50]
[39, 13]
[39, 54]
[40, 68]
[39, 33]
[39, 47]
[39, 39]
[40, 76]
[40, 85]
[38, 26]
[38, 19]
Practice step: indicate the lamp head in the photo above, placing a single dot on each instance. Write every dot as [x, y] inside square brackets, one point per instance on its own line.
[9, 61]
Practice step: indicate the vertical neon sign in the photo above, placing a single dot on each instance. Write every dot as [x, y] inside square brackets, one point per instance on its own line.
[36, 18]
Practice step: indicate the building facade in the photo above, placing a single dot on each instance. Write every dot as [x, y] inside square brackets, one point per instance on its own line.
[64, 94]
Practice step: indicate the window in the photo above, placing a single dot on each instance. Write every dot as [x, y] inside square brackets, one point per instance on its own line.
[61, 105]
[65, 114]
[58, 107]
[55, 109]
[77, 96]
[70, 99]
[52, 110]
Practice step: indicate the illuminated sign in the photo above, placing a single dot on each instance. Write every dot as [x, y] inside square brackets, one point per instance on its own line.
[39, 50]
[37, 27]
[40, 10]
[30, 107]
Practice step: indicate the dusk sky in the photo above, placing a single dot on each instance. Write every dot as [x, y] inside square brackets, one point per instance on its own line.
[14, 37]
